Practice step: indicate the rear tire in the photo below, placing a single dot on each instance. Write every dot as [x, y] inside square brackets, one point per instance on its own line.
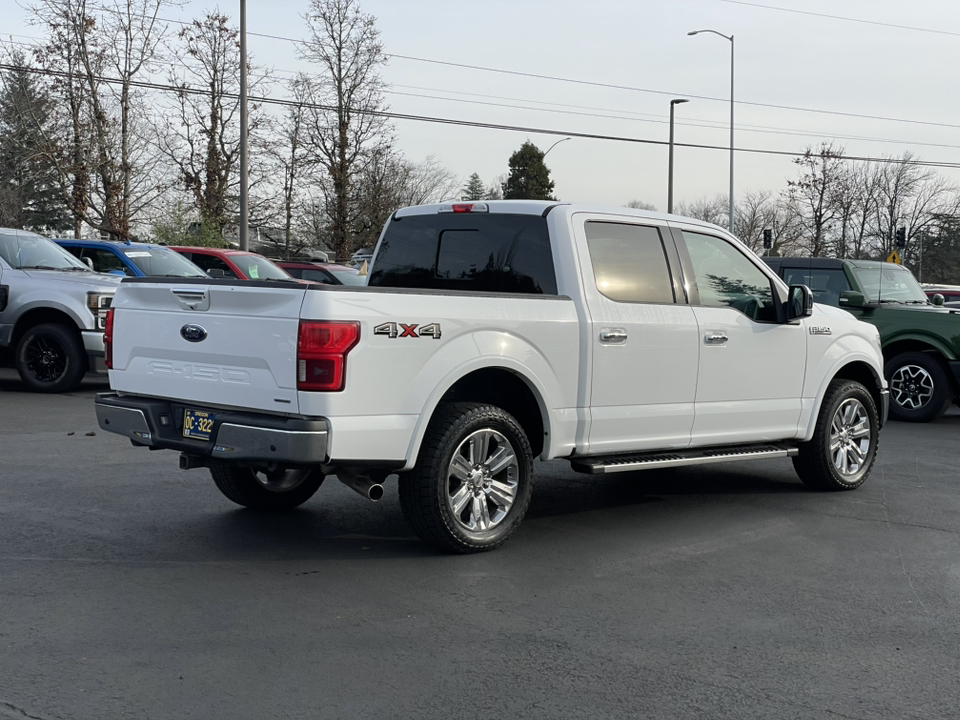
[51, 359]
[473, 480]
[920, 389]
[844, 444]
[262, 490]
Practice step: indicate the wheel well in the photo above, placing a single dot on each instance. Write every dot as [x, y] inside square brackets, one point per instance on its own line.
[902, 346]
[507, 391]
[862, 373]
[41, 316]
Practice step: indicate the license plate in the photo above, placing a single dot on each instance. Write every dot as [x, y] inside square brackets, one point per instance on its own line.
[198, 424]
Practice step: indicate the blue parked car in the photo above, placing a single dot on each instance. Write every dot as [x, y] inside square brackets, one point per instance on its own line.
[130, 259]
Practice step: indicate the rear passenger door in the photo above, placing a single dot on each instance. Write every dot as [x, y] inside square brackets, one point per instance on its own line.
[642, 337]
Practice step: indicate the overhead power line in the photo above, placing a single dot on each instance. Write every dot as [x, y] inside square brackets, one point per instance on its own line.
[840, 17]
[468, 123]
[611, 86]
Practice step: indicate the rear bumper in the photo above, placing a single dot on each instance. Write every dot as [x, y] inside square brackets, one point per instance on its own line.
[235, 436]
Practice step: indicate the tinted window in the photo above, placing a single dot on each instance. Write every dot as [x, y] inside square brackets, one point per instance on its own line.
[629, 262]
[826, 284]
[467, 251]
[160, 261]
[106, 261]
[727, 278]
[211, 262]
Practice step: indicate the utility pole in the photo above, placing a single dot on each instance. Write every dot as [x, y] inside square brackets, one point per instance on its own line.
[244, 209]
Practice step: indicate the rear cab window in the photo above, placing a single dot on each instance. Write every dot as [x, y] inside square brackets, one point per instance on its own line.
[479, 252]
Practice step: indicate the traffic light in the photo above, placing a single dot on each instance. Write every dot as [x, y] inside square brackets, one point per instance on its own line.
[901, 238]
[767, 239]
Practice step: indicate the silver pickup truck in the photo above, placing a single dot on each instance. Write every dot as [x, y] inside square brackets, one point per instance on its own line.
[52, 311]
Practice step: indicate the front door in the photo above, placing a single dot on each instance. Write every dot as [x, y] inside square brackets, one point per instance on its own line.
[642, 342]
[751, 365]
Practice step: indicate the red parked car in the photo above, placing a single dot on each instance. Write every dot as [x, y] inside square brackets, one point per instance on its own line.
[225, 262]
[328, 273]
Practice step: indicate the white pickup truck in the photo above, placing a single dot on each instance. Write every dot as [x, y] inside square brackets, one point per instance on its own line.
[489, 335]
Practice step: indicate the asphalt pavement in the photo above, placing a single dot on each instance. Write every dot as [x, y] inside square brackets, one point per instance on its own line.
[132, 589]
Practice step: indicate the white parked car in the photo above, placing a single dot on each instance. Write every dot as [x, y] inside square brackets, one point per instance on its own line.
[488, 335]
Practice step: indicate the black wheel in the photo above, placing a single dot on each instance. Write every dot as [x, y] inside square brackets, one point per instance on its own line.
[920, 390]
[472, 483]
[263, 490]
[844, 443]
[51, 358]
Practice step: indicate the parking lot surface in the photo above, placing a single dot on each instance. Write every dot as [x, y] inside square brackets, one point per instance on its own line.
[129, 588]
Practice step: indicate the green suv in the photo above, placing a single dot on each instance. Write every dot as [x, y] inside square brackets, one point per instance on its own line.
[921, 339]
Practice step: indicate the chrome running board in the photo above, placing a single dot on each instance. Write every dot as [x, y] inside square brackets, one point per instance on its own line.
[660, 459]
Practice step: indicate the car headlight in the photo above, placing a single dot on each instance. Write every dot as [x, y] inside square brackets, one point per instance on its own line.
[98, 304]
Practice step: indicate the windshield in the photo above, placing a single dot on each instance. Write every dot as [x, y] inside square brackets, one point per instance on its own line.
[256, 267]
[348, 276]
[890, 283]
[26, 250]
[161, 261]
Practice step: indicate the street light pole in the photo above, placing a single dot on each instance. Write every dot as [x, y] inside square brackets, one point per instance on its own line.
[244, 210]
[555, 144]
[730, 38]
[670, 163]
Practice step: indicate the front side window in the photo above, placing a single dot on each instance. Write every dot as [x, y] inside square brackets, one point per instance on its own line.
[629, 262]
[727, 278]
[826, 284]
[212, 262]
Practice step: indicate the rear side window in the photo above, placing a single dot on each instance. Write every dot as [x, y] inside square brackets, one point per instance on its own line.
[476, 251]
[629, 262]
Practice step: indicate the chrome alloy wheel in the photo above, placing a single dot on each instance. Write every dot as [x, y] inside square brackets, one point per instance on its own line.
[911, 387]
[482, 480]
[280, 480]
[850, 437]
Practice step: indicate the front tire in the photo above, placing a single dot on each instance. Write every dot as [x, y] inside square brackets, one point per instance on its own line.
[473, 480]
[920, 390]
[265, 490]
[51, 358]
[844, 444]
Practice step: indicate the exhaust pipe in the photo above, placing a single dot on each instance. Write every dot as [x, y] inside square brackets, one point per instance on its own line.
[363, 484]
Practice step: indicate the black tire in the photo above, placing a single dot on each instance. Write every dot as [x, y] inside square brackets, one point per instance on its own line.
[494, 491]
[261, 490]
[51, 359]
[848, 415]
[920, 389]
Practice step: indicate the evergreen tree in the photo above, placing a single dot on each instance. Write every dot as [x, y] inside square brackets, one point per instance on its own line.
[30, 194]
[474, 189]
[529, 177]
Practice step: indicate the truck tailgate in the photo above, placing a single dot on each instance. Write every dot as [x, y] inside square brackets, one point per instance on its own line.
[216, 343]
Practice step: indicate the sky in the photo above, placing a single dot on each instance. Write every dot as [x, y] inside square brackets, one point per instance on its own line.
[805, 71]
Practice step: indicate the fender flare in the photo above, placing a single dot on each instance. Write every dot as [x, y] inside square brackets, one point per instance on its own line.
[829, 377]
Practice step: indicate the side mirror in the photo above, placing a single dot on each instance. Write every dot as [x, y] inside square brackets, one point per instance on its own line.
[852, 298]
[216, 273]
[88, 262]
[937, 300]
[799, 302]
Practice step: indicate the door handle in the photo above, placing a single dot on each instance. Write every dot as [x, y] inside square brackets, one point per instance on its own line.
[718, 338]
[613, 335]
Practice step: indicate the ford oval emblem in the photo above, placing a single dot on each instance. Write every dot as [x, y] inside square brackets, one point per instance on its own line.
[193, 333]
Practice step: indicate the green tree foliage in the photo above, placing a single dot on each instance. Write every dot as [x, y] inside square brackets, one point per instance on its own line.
[30, 194]
[474, 189]
[529, 177]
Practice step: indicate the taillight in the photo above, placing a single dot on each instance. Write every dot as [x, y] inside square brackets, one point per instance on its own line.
[108, 339]
[322, 349]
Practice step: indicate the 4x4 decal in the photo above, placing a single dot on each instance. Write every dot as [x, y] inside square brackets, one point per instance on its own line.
[392, 329]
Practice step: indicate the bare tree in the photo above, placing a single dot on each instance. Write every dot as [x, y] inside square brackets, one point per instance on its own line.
[713, 211]
[345, 130]
[640, 205]
[813, 195]
[203, 139]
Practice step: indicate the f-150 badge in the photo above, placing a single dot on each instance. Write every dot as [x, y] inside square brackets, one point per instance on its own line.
[393, 330]
[820, 330]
